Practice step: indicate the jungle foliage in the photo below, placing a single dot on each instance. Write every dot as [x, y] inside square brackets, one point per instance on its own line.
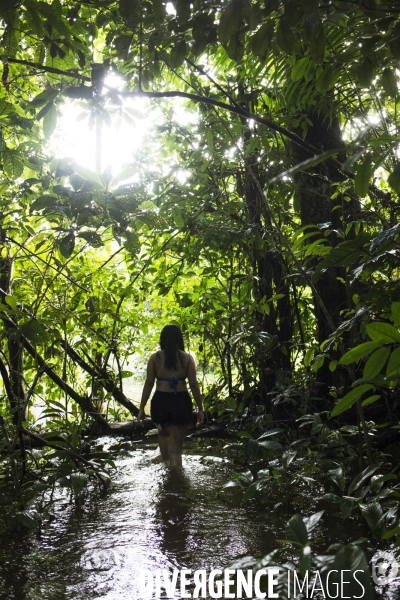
[277, 249]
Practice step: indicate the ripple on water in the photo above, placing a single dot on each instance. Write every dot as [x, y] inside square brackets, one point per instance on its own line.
[152, 518]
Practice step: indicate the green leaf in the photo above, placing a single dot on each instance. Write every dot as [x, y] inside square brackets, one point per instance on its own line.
[337, 476]
[390, 533]
[344, 254]
[178, 54]
[370, 400]
[6, 108]
[350, 398]
[44, 110]
[267, 434]
[352, 558]
[129, 9]
[365, 73]
[93, 238]
[50, 121]
[373, 514]
[235, 49]
[395, 309]
[178, 218]
[89, 175]
[11, 301]
[45, 97]
[358, 352]
[261, 41]
[312, 521]
[361, 477]
[231, 402]
[132, 243]
[327, 78]
[159, 11]
[13, 164]
[288, 457]
[394, 179]
[34, 331]
[363, 177]
[317, 45]
[285, 37]
[271, 445]
[393, 366]
[252, 449]
[383, 333]
[230, 21]
[389, 83]
[182, 11]
[67, 245]
[386, 240]
[126, 374]
[376, 362]
[296, 531]
[43, 202]
[299, 68]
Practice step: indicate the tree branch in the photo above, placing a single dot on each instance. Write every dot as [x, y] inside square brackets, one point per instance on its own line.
[6, 379]
[71, 73]
[83, 401]
[238, 110]
[105, 380]
[194, 97]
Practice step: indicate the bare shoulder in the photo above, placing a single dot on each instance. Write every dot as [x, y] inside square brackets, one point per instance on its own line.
[152, 359]
[191, 364]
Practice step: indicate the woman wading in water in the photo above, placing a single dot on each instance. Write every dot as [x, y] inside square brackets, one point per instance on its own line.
[171, 405]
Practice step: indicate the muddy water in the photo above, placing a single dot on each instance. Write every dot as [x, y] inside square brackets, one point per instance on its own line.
[151, 518]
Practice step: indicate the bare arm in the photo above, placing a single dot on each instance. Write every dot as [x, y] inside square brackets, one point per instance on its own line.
[195, 389]
[148, 386]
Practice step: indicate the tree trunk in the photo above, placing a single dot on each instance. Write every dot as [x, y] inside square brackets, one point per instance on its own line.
[316, 190]
[15, 388]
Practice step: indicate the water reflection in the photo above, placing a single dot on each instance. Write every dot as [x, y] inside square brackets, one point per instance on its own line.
[173, 508]
[152, 518]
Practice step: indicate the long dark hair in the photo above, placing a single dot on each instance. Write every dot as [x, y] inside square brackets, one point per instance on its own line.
[171, 341]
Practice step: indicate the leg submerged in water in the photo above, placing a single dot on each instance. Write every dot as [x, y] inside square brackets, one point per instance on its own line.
[170, 441]
[163, 440]
[175, 444]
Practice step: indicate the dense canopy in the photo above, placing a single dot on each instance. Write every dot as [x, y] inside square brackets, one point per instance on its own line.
[260, 212]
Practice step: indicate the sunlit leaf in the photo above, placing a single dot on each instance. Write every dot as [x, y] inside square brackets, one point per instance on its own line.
[358, 352]
[13, 164]
[88, 174]
[363, 176]
[350, 399]
[361, 477]
[383, 333]
[178, 218]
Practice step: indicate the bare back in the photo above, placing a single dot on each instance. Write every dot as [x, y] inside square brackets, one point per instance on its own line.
[157, 366]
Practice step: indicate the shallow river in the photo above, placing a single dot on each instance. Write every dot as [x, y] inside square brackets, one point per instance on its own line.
[151, 518]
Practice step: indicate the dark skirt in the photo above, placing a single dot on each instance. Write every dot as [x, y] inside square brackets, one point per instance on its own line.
[168, 408]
